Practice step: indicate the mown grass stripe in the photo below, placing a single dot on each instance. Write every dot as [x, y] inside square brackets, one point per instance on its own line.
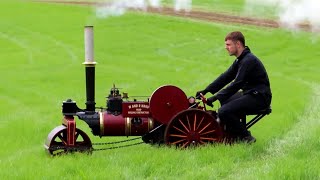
[20, 43]
[307, 125]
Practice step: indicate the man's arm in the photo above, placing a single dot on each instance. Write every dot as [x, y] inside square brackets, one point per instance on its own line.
[223, 79]
[244, 68]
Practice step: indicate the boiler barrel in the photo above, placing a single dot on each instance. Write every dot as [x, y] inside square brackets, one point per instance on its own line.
[117, 125]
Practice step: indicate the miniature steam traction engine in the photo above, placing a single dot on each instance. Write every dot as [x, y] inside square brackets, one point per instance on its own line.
[167, 116]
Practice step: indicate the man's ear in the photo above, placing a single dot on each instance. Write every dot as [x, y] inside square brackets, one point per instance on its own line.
[238, 43]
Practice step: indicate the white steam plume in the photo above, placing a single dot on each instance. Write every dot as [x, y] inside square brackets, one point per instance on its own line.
[293, 13]
[119, 7]
[182, 5]
[155, 3]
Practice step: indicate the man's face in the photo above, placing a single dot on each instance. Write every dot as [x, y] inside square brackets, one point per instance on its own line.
[231, 47]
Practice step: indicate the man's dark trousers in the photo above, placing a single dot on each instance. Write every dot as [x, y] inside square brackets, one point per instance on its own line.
[237, 107]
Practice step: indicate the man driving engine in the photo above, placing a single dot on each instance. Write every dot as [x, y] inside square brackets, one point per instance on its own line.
[247, 88]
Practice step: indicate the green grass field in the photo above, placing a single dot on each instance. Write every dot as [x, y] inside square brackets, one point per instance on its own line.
[42, 52]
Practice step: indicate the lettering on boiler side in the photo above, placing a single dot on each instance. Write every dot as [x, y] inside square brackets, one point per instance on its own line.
[146, 106]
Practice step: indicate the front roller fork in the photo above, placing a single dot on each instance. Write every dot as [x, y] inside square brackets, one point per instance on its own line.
[67, 138]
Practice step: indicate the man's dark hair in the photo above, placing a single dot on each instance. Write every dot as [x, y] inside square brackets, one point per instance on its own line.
[236, 36]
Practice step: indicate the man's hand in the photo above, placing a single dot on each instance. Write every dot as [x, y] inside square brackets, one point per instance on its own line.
[210, 101]
[203, 92]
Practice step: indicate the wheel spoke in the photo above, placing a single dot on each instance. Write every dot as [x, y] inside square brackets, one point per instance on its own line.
[202, 142]
[204, 127]
[53, 142]
[207, 132]
[183, 146]
[178, 135]
[200, 122]
[184, 125]
[176, 142]
[62, 140]
[206, 138]
[188, 122]
[195, 122]
[179, 130]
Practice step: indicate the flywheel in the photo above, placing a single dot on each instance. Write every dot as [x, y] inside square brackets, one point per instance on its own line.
[167, 101]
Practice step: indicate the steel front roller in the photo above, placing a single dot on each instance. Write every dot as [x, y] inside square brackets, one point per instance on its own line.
[192, 127]
[57, 141]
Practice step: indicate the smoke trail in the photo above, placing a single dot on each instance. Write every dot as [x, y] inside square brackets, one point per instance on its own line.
[109, 10]
[155, 3]
[182, 5]
[294, 13]
[119, 7]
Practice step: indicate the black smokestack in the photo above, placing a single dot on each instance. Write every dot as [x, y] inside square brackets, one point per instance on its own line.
[90, 67]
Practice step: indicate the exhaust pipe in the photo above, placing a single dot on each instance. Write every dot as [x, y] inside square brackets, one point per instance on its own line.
[90, 68]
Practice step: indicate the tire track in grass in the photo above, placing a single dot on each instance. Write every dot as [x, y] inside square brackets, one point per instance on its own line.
[307, 125]
[64, 46]
[25, 45]
[21, 44]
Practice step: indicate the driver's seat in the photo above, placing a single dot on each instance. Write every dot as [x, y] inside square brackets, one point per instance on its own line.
[259, 115]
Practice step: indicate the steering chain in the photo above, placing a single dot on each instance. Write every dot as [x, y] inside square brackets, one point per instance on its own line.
[116, 142]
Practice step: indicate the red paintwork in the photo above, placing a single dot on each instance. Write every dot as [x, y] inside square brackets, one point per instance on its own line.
[193, 126]
[71, 130]
[167, 101]
[117, 125]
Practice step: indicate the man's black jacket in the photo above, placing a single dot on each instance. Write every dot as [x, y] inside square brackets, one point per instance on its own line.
[247, 73]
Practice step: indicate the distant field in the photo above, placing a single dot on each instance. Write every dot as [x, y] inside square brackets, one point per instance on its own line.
[42, 52]
[235, 7]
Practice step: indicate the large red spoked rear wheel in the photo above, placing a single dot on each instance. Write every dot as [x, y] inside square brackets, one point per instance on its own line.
[56, 143]
[192, 127]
